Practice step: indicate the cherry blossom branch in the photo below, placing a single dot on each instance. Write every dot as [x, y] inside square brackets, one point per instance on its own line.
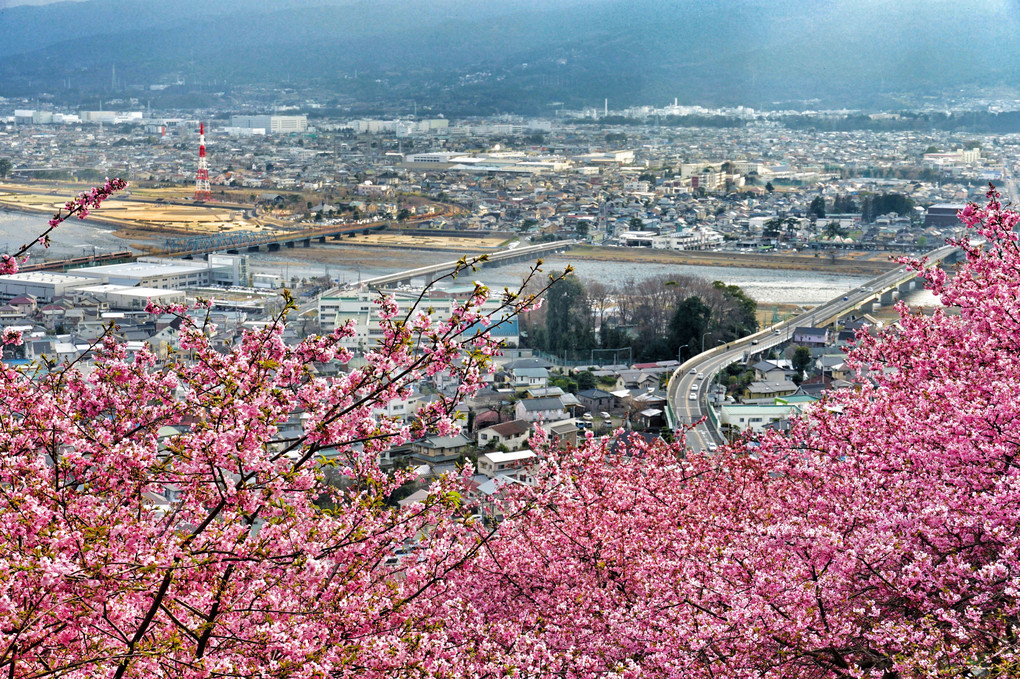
[80, 206]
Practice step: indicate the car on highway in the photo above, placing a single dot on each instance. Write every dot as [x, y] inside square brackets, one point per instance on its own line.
[700, 376]
[845, 298]
[693, 371]
[693, 396]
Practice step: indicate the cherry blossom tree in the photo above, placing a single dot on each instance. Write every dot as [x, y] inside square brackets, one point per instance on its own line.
[156, 518]
[879, 538]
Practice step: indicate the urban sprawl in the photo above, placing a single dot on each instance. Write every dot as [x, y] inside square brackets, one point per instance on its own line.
[618, 185]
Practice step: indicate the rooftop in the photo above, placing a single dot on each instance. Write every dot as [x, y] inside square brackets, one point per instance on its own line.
[498, 458]
[143, 269]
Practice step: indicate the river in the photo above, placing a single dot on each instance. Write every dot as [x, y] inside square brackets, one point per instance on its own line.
[73, 238]
[350, 262]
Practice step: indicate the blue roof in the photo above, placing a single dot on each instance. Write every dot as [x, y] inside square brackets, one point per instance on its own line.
[509, 328]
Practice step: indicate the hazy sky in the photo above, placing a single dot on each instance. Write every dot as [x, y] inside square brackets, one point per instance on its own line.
[12, 3]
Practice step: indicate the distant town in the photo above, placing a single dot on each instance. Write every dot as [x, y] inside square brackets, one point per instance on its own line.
[713, 186]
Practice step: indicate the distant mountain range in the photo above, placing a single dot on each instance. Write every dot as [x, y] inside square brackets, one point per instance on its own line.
[487, 56]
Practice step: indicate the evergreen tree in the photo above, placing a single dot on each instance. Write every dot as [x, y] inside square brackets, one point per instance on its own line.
[689, 323]
[817, 207]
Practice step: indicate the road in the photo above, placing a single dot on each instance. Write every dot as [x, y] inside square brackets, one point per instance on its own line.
[695, 376]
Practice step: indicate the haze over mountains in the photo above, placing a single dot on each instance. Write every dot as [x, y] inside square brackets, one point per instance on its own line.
[520, 55]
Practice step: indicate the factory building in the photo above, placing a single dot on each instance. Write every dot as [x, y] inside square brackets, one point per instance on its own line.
[42, 285]
[132, 298]
[151, 272]
[271, 124]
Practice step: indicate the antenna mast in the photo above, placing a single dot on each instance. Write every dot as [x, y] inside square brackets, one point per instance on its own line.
[202, 191]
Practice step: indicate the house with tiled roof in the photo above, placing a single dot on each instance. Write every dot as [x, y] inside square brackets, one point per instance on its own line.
[540, 409]
[441, 446]
[757, 391]
[811, 337]
[498, 463]
[513, 435]
[595, 400]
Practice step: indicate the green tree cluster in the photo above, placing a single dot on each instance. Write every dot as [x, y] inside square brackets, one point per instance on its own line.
[801, 359]
[874, 206]
[844, 204]
[741, 317]
[567, 328]
[817, 207]
[689, 324]
[833, 229]
[585, 380]
[773, 228]
[657, 319]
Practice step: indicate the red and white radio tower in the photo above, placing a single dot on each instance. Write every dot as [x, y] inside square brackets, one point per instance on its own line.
[202, 191]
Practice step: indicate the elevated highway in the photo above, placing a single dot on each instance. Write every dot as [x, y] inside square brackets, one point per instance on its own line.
[687, 391]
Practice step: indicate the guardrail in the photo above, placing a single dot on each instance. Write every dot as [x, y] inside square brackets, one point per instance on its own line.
[712, 416]
[670, 417]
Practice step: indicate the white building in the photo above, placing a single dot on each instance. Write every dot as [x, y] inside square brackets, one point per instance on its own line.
[132, 298]
[367, 188]
[42, 285]
[437, 159]
[171, 273]
[229, 269]
[360, 308]
[755, 417]
[155, 274]
[271, 124]
[496, 463]
[622, 157]
[957, 157]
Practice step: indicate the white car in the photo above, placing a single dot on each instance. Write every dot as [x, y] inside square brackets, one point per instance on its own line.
[693, 396]
[700, 376]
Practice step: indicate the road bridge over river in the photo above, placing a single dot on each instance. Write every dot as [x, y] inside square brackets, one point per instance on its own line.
[428, 273]
[688, 388]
